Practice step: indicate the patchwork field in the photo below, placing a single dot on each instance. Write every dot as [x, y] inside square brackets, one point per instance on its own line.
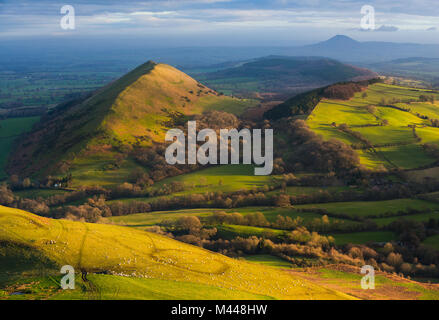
[386, 125]
[382, 114]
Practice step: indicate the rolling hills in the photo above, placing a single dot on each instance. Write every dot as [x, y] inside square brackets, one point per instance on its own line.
[344, 48]
[114, 262]
[127, 263]
[282, 75]
[386, 124]
[382, 210]
[420, 68]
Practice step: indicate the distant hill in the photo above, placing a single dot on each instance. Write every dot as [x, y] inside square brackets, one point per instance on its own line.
[413, 67]
[135, 110]
[344, 48]
[284, 75]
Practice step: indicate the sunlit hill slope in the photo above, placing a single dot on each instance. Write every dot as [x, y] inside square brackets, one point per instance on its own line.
[135, 263]
[136, 109]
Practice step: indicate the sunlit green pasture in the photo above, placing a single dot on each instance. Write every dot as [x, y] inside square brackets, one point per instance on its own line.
[223, 178]
[372, 208]
[145, 220]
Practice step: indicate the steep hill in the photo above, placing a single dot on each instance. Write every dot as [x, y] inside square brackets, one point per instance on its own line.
[136, 109]
[152, 266]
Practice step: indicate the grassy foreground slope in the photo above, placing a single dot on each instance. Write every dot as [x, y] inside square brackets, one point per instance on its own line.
[149, 262]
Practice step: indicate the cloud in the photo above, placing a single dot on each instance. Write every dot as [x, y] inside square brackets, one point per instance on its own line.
[382, 28]
[293, 19]
[385, 28]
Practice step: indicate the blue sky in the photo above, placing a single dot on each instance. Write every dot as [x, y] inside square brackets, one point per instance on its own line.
[223, 22]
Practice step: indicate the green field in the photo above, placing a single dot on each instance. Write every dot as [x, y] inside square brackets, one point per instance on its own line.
[144, 220]
[386, 134]
[230, 232]
[307, 191]
[422, 217]
[365, 209]
[408, 156]
[432, 241]
[10, 130]
[92, 171]
[363, 237]
[424, 108]
[223, 178]
[428, 134]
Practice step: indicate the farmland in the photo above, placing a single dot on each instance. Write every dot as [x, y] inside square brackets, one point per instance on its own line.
[156, 231]
[393, 144]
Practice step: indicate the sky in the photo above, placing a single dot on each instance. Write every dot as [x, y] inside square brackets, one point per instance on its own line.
[222, 22]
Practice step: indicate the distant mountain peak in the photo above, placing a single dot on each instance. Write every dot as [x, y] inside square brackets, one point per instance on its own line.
[338, 42]
[340, 38]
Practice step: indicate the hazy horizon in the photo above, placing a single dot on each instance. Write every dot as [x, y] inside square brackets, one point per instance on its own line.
[221, 22]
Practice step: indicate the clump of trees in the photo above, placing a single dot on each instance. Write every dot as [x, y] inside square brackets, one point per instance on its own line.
[343, 91]
[256, 219]
[311, 151]
[425, 98]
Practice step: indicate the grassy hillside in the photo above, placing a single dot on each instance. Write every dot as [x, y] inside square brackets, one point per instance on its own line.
[151, 265]
[136, 109]
[381, 115]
